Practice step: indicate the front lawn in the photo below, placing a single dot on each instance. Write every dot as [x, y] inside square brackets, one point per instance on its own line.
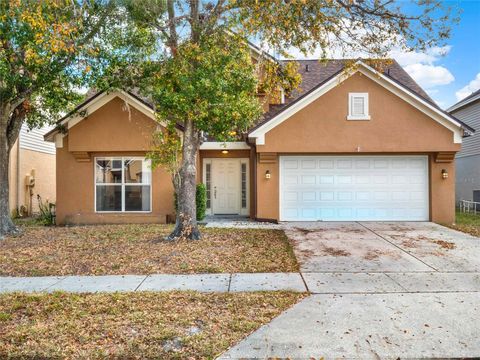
[468, 223]
[140, 249]
[175, 325]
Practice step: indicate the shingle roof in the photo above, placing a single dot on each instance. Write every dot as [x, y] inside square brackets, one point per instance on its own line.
[475, 93]
[465, 101]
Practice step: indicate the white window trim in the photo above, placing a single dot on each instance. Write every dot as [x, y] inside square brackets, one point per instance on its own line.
[204, 181]
[246, 209]
[122, 184]
[366, 115]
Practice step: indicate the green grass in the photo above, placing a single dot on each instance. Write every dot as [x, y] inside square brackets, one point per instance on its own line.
[468, 223]
[467, 219]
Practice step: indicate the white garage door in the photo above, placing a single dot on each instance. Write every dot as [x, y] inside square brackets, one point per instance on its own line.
[344, 188]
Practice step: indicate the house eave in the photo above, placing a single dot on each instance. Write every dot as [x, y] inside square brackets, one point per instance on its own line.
[463, 103]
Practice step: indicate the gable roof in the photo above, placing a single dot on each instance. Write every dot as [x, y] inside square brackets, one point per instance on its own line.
[95, 100]
[468, 100]
[319, 71]
[321, 76]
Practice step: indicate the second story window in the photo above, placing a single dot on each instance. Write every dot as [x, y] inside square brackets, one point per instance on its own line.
[358, 106]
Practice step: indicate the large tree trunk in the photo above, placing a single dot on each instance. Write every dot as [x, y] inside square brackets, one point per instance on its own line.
[6, 224]
[186, 226]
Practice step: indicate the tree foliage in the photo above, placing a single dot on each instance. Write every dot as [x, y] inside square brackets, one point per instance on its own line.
[48, 49]
[211, 82]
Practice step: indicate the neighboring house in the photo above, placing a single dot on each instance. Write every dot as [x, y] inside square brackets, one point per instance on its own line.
[32, 170]
[468, 159]
[351, 145]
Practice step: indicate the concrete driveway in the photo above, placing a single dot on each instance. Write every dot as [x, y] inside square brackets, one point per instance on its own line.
[383, 247]
[380, 290]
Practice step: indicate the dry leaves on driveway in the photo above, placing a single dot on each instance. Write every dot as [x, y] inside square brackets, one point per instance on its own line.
[143, 325]
[139, 249]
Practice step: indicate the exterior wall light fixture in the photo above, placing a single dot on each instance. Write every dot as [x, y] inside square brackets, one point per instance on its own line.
[224, 151]
[267, 174]
[444, 174]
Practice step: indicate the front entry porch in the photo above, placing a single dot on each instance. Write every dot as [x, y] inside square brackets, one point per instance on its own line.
[227, 184]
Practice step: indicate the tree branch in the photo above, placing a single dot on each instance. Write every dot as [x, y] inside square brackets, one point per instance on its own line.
[172, 27]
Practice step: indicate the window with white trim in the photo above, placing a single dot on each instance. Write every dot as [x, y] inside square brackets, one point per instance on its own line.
[208, 184]
[123, 184]
[358, 106]
[244, 184]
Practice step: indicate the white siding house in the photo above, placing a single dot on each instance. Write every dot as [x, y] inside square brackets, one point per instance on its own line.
[32, 171]
[468, 159]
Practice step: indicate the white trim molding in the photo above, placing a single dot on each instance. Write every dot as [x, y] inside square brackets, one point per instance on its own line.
[463, 102]
[123, 184]
[91, 106]
[389, 84]
[229, 145]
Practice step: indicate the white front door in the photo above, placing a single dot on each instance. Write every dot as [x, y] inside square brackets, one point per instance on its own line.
[350, 188]
[226, 186]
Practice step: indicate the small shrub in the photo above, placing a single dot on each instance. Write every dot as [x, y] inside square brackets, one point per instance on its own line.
[46, 216]
[201, 200]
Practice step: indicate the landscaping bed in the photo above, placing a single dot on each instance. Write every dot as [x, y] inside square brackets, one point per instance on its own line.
[140, 249]
[468, 223]
[173, 325]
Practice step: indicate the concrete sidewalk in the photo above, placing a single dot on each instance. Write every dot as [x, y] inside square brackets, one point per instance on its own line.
[160, 282]
[315, 283]
[369, 326]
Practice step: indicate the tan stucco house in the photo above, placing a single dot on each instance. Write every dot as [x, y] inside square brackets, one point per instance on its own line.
[350, 144]
[32, 171]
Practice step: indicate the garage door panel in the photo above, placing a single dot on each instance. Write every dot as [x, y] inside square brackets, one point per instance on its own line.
[353, 188]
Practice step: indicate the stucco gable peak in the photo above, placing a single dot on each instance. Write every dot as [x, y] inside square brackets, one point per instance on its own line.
[94, 103]
[360, 66]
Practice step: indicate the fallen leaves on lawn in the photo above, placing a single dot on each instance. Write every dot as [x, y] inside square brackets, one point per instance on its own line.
[141, 325]
[136, 249]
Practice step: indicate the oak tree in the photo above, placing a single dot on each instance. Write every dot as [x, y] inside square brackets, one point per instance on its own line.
[45, 48]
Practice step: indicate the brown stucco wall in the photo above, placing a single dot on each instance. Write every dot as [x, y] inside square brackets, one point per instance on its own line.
[442, 192]
[44, 165]
[110, 131]
[395, 128]
[22, 162]
[113, 127]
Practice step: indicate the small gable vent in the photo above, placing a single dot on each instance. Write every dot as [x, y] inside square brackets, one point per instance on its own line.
[358, 106]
